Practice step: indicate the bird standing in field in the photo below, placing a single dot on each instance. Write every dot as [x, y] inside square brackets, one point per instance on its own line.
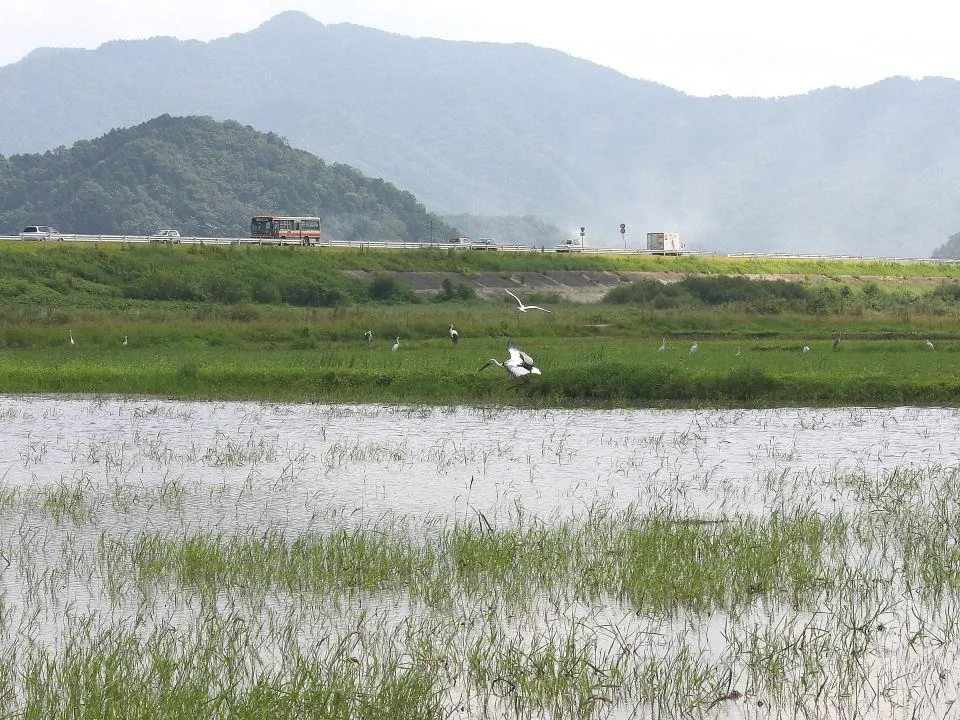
[663, 345]
[836, 340]
[368, 336]
[929, 344]
[694, 348]
[518, 365]
[738, 351]
[72, 341]
[523, 308]
[125, 341]
[805, 350]
[396, 345]
[454, 335]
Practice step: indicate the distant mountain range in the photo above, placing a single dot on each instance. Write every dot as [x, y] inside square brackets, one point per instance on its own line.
[481, 130]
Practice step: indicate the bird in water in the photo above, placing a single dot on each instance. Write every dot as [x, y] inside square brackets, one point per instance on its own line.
[454, 335]
[523, 308]
[368, 336]
[396, 345]
[806, 349]
[518, 365]
[694, 348]
[929, 344]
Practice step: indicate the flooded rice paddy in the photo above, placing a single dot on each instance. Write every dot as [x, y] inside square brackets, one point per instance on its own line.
[374, 561]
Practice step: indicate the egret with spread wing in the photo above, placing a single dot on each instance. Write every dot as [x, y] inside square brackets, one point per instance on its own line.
[518, 365]
[523, 308]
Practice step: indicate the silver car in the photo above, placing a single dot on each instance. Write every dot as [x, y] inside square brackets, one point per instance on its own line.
[40, 232]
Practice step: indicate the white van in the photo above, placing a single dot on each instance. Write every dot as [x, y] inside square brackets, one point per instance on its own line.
[569, 245]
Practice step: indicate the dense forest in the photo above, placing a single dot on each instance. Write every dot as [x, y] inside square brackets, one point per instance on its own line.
[204, 178]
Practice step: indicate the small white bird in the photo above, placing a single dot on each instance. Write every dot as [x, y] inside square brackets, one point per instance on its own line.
[368, 335]
[738, 351]
[396, 345]
[523, 308]
[836, 340]
[125, 340]
[929, 344]
[518, 365]
[72, 341]
[694, 348]
[454, 335]
[663, 345]
[806, 349]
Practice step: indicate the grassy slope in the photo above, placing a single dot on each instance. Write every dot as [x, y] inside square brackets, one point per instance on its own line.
[589, 354]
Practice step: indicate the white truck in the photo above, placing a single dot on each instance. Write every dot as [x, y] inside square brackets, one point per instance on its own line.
[569, 245]
[667, 243]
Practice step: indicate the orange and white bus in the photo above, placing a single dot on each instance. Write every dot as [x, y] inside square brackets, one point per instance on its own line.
[280, 228]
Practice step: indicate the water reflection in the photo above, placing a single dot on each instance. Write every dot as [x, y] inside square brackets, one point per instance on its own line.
[225, 464]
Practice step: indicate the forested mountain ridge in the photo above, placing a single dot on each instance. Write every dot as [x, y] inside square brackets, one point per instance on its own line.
[205, 178]
[515, 130]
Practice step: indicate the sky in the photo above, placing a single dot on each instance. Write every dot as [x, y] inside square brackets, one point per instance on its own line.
[701, 47]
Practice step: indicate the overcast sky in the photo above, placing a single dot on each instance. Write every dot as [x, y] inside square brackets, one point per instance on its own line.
[702, 47]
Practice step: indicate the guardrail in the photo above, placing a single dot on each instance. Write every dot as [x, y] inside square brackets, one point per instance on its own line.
[407, 245]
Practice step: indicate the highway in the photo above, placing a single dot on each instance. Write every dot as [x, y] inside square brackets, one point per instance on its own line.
[400, 245]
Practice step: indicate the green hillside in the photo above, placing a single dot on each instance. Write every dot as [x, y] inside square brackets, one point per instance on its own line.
[204, 178]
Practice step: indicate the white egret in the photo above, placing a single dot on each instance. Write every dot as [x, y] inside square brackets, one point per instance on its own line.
[929, 344]
[454, 335]
[368, 335]
[72, 341]
[836, 340]
[738, 351]
[806, 349]
[396, 345]
[518, 365]
[125, 341]
[663, 345]
[523, 308]
[694, 348]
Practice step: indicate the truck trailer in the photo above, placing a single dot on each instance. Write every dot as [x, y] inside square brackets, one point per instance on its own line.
[667, 243]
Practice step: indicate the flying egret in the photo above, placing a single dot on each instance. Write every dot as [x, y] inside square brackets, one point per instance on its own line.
[836, 340]
[806, 349]
[72, 341]
[523, 308]
[929, 344]
[663, 345]
[518, 365]
[396, 345]
[694, 348]
[454, 335]
[368, 335]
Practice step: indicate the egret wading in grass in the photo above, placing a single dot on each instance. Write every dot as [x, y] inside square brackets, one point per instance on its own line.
[663, 345]
[738, 351]
[396, 345]
[929, 344]
[72, 341]
[518, 365]
[806, 349]
[836, 340]
[523, 308]
[125, 341]
[454, 335]
[368, 336]
[694, 348]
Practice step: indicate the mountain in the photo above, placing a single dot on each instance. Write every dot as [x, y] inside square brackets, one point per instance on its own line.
[485, 129]
[205, 178]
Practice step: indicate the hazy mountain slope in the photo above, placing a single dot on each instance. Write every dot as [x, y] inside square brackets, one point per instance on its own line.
[492, 129]
[204, 178]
